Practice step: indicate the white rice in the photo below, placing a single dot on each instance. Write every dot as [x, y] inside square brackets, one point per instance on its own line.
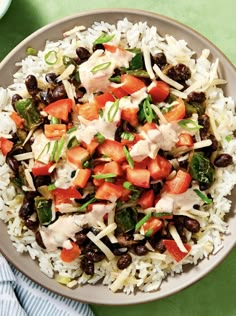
[146, 272]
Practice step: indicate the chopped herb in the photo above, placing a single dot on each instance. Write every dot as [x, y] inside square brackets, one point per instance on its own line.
[189, 124]
[143, 221]
[113, 110]
[44, 210]
[51, 57]
[148, 112]
[228, 138]
[203, 196]
[100, 138]
[127, 136]
[31, 51]
[201, 169]
[104, 38]
[126, 219]
[53, 151]
[100, 67]
[137, 61]
[86, 204]
[104, 176]
[128, 157]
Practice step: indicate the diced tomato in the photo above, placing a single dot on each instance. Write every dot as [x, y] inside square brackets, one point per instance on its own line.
[118, 92]
[108, 191]
[77, 155]
[65, 195]
[185, 139]
[146, 200]
[179, 184]
[138, 177]
[174, 250]
[131, 83]
[142, 164]
[59, 109]
[92, 146]
[68, 255]
[178, 112]
[102, 99]
[17, 119]
[81, 178]
[159, 168]
[98, 170]
[130, 115]
[41, 169]
[152, 226]
[148, 126]
[110, 48]
[113, 167]
[159, 91]
[6, 145]
[54, 131]
[90, 206]
[112, 149]
[89, 111]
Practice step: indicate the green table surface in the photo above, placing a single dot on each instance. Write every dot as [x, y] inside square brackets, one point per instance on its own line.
[215, 19]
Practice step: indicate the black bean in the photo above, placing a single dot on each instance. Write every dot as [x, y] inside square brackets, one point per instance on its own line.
[94, 256]
[156, 187]
[198, 97]
[87, 266]
[79, 93]
[159, 246]
[223, 160]
[26, 210]
[42, 180]
[159, 59]
[16, 97]
[82, 53]
[124, 261]
[141, 250]
[51, 77]
[179, 72]
[59, 93]
[31, 84]
[46, 96]
[80, 238]
[204, 121]
[204, 186]
[192, 225]
[13, 164]
[39, 240]
[118, 251]
[32, 225]
[98, 46]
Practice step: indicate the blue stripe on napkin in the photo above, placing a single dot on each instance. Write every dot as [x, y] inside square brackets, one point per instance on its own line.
[19, 296]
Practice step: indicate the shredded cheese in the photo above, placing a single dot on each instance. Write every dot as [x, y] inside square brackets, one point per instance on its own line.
[147, 61]
[29, 180]
[119, 282]
[101, 246]
[178, 93]
[165, 78]
[213, 124]
[159, 114]
[70, 89]
[176, 237]
[8, 136]
[202, 143]
[109, 229]
[24, 156]
[66, 73]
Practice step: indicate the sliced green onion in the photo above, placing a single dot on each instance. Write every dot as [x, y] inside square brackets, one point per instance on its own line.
[189, 124]
[100, 67]
[113, 110]
[203, 196]
[61, 143]
[147, 109]
[62, 279]
[72, 142]
[115, 79]
[100, 138]
[104, 38]
[104, 176]
[46, 147]
[68, 60]
[85, 164]
[138, 73]
[228, 138]
[85, 205]
[31, 51]
[143, 221]
[51, 187]
[100, 112]
[51, 57]
[127, 136]
[71, 130]
[129, 186]
[53, 151]
[149, 232]
[128, 157]
[54, 120]
[161, 214]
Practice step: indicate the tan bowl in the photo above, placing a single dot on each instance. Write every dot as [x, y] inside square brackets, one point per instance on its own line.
[100, 294]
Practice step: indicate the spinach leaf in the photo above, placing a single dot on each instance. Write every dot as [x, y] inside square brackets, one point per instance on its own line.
[137, 61]
[201, 169]
[126, 219]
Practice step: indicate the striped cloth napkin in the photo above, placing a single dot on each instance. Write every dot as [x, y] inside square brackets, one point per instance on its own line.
[19, 296]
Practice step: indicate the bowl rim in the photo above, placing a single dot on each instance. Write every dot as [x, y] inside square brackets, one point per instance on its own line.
[147, 14]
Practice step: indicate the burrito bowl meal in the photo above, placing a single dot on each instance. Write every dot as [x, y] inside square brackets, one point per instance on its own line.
[117, 156]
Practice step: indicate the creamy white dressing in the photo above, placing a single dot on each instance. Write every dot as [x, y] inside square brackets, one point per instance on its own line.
[99, 80]
[111, 114]
[133, 101]
[63, 176]
[165, 205]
